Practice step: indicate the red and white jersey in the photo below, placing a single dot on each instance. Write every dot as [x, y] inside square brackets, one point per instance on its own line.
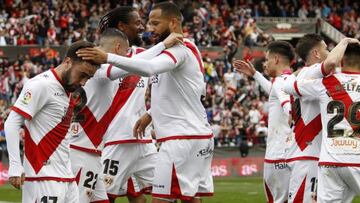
[305, 141]
[89, 126]
[130, 107]
[338, 96]
[176, 108]
[278, 127]
[48, 111]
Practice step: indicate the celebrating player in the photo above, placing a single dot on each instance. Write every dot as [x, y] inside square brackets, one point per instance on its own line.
[182, 170]
[279, 55]
[46, 108]
[337, 95]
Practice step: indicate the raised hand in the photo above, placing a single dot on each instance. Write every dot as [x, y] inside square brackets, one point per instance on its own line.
[172, 39]
[95, 55]
[244, 67]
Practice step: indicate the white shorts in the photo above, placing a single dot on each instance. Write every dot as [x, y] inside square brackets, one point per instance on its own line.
[122, 161]
[276, 181]
[50, 192]
[338, 184]
[303, 180]
[183, 170]
[87, 169]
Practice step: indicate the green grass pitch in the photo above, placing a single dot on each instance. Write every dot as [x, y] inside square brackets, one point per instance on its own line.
[227, 190]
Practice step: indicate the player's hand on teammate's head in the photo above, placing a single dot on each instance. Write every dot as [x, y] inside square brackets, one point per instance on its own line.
[173, 39]
[244, 67]
[95, 54]
[140, 126]
[17, 181]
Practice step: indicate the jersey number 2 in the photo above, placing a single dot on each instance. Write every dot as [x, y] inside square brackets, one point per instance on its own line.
[340, 110]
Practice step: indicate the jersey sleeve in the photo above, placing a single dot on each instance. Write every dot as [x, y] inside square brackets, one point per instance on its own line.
[31, 99]
[166, 61]
[264, 83]
[12, 130]
[307, 88]
[313, 72]
[282, 96]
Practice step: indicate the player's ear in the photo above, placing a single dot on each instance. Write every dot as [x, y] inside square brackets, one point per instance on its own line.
[173, 24]
[68, 63]
[121, 26]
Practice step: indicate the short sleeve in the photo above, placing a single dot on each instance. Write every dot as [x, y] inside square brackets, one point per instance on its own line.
[310, 88]
[312, 72]
[31, 99]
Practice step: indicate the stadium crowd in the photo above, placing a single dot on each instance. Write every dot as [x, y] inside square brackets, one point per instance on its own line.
[230, 96]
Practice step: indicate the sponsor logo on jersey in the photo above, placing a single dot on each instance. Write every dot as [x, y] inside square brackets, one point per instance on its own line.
[280, 165]
[27, 97]
[155, 79]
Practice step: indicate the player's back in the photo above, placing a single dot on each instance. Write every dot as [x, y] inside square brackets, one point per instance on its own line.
[340, 115]
[176, 96]
[306, 141]
[48, 105]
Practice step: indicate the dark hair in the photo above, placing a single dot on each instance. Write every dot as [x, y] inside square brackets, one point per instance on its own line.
[74, 47]
[306, 44]
[352, 55]
[113, 17]
[113, 33]
[168, 9]
[283, 48]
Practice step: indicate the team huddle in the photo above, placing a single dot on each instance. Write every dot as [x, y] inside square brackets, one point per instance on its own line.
[90, 140]
[313, 149]
[88, 132]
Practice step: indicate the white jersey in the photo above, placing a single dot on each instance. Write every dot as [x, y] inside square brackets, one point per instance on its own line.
[338, 95]
[176, 106]
[305, 141]
[89, 126]
[130, 108]
[48, 110]
[279, 129]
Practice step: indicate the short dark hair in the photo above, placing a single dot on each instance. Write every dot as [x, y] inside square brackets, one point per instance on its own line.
[74, 47]
[283, 48]
[168, 9]
[113, 33]
[306, 44]
[113, 17]
[352, 55]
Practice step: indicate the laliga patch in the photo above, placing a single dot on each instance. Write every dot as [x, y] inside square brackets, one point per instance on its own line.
[75, 129]
[27, 97]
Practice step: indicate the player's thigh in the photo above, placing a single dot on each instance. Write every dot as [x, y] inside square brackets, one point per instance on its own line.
[145, 165]
[118, 163]
[276, 181]
[50, 192]
[87, 168]
[351, 175]
[331, 187]
[182, 166]
[303, 180]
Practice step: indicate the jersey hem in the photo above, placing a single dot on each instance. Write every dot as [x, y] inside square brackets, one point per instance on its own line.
[87, 150]
[183, 197]
[185, 137]
[303, 158]
[49, 179]
[271, 161]
[323, 163]
[134, 141]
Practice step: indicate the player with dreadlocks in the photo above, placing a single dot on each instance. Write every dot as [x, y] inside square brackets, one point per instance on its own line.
[128, 162]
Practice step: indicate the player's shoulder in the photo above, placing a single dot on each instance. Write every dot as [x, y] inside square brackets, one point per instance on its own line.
[307, 70]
